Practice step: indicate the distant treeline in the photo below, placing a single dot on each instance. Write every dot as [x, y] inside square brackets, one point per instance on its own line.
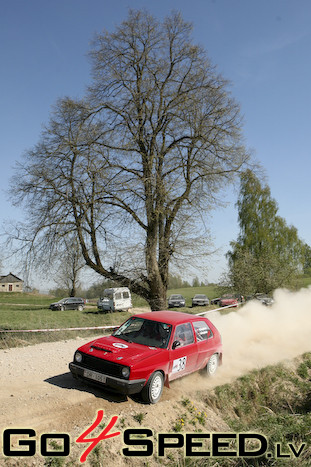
[96, 290]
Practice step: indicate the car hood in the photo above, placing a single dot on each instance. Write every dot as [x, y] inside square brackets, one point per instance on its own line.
[119, 351]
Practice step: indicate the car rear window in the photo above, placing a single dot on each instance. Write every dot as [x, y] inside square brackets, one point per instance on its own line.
[201, 330]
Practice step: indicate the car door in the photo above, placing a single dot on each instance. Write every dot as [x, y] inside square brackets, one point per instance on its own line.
[183, 358]
[71, 303]
[65, 304]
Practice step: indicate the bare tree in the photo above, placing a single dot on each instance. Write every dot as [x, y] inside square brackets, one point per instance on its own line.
[134, 168]
[69, 264]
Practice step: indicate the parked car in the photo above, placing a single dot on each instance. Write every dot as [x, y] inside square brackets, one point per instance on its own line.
[149, 351]
[215, 301]
[264, 299]
[70, 303]
[240, 298]
[228, 299]
[200, 300]
[176, 300]
[115, 299]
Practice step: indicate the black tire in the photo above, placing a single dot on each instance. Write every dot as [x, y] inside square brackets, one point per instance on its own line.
[212, 365]
[152, 392]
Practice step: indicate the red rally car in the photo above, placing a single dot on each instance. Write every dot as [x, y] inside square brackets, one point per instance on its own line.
[148, 351]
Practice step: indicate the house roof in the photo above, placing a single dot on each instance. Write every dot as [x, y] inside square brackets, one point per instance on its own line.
[10, 278]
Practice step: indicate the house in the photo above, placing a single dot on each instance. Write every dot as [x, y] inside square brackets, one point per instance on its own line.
[11, 283]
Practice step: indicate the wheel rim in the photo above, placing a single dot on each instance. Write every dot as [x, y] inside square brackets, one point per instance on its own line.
[156, 387]
[212, 364]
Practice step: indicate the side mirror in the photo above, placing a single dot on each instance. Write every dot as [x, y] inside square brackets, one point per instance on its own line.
[175, 344]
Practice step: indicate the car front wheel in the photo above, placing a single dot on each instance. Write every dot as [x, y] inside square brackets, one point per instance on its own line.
[152, 392]
[212, 365]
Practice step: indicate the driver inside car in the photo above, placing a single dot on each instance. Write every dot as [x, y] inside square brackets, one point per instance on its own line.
[180, 335]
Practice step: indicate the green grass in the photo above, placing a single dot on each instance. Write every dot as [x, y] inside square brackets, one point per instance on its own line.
[20, 311]
[302, 281]
[25, 299]
[35, 314]
[274, 401]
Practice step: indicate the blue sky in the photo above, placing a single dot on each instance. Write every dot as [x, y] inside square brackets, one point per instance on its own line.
[263, 47]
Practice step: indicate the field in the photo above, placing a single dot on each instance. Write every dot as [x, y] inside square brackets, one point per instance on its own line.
[27, 311]
[31, 311]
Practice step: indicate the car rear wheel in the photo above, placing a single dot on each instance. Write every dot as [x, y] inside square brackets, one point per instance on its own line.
[152, 392]
[212, 365]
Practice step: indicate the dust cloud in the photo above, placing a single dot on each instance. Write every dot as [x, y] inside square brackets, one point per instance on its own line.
[256, 335]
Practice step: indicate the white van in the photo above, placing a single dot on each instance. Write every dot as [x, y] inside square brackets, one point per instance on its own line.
[115, 299]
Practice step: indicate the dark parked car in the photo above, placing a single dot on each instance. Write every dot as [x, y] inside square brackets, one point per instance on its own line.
[200, 300]
[176, 300]
[215, 301]
[264, 299]
[70, 303]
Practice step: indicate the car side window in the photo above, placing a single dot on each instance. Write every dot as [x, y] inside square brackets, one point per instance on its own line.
[202, 331]
[118, 296]
[184, 334]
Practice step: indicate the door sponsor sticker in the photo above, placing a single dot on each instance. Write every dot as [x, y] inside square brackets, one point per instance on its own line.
[179, 364]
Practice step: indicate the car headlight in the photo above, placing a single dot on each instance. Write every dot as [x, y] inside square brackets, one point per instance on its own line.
[125, 372]
[78, 357]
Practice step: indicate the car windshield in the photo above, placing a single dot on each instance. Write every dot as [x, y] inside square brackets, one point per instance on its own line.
[176, 297]
[145, 332]
[108, 295]
[200, 296]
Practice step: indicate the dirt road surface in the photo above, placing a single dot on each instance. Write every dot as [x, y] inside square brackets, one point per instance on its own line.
[38, 392]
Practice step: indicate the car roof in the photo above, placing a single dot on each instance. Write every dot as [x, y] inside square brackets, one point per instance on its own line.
[70, 298]
[169, 317]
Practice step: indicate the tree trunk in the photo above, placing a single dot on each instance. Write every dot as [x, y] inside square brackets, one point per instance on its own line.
[157, 297]
[157, 287]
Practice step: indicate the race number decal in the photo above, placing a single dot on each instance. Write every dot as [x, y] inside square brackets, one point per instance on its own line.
[179, 364]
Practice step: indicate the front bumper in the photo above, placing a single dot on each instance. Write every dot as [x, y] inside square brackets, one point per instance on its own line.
[121, 385]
